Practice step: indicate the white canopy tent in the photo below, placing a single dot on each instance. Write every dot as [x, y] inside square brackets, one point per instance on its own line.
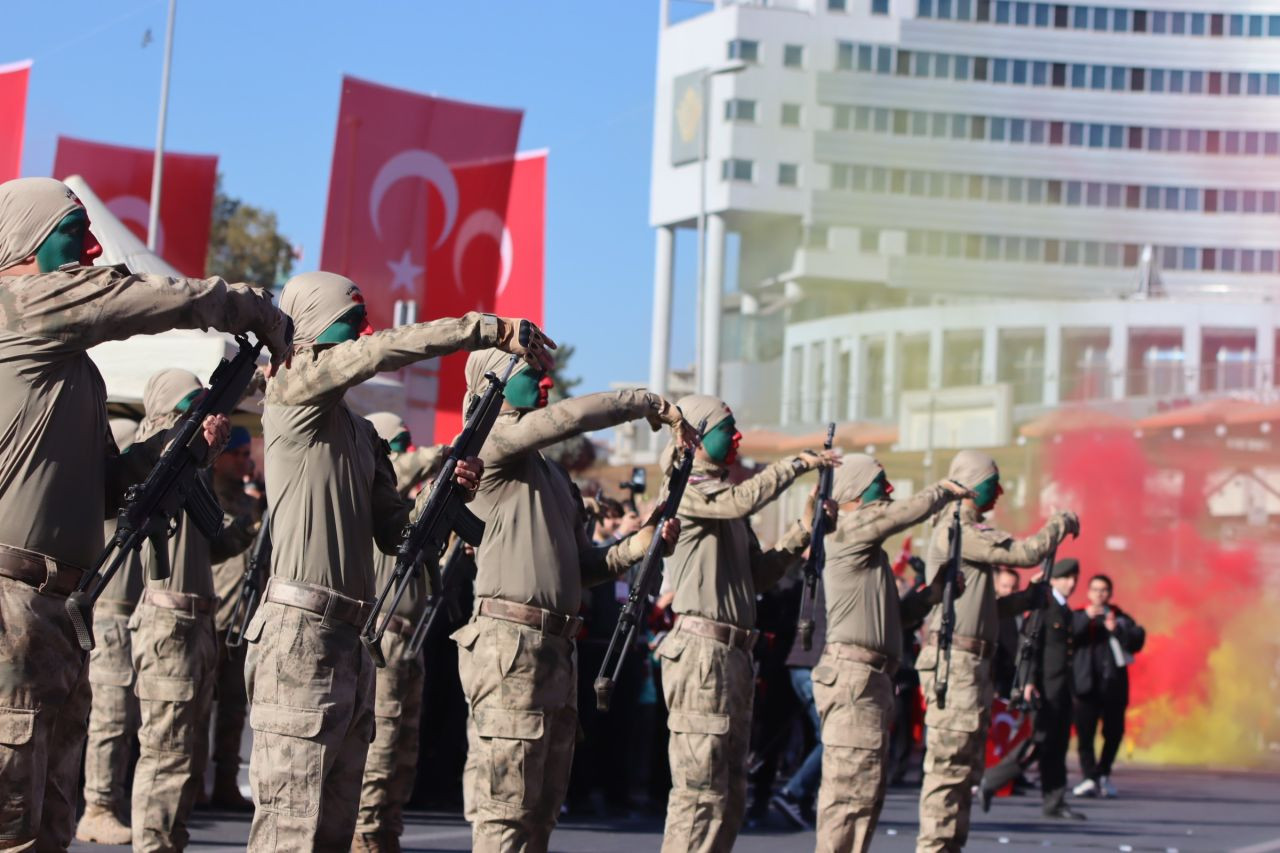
[126, 365]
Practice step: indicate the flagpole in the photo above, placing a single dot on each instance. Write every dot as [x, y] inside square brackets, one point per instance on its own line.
[157, 168]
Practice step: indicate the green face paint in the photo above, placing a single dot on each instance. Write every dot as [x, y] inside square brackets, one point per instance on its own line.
[719, 441]
[345, 328]
[987, 491]
[879, 490]
[185, 404]
[400, 444]
[522, 390]
[65, 245]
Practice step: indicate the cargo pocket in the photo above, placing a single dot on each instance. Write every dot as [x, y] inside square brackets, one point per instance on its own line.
[18, 772]
[17, 725]
[110, 677]
[671, 646]
[698, 749]
[286, 759]
[952, 719]
[253, 631]
[161, 701]
[853, 728]
[511, 740]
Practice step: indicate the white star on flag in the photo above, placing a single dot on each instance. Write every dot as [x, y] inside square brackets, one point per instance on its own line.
[404, 273]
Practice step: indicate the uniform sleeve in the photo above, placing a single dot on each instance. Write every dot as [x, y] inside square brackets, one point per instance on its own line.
[544, 427]
[235, 538]
[996, 548]
[418, 466]
[893, 518]
[742, 500]
[1132, 636]
[768, 567]
[1018, 602]
[390, 511]
[86, 307]
[129, 468]
[601, 563]
[915, 606]
[322, 376]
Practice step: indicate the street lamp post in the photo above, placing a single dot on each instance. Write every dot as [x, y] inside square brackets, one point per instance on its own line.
[157, 167]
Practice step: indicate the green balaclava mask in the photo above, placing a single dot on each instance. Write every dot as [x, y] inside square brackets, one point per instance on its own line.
[185, 404]
[524, 389]
[879, 490]
[987, 491]
[401, 443]
[66, 244]
[348, 327]
[718, 442]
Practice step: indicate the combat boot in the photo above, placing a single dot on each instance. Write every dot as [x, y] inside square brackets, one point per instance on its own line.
[375, 842]
[100, 825]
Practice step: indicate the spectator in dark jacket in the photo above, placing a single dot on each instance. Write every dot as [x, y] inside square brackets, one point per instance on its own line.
[1005, 662]
[1106, 640]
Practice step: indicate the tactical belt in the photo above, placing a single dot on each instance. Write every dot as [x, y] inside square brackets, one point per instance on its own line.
[545, 621]
[400, 625]
[861, 654]
[186, 602]
[730, 635]
[44, 573]
[114, 606]
[972, 645]
[322, 601]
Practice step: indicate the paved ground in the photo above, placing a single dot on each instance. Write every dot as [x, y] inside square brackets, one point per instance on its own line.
[1160, 810]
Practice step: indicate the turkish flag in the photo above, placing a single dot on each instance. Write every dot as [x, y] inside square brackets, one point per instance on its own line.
[13, 106]
[121, 177]
[520, 294]
[407, 172]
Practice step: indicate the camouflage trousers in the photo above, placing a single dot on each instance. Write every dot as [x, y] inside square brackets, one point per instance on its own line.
[393, 755]
[44, 708]
[955, 747]
[855, 704]
[229, 711]
[521, 687]
[310, 685]
[113, 717]
[709, 688]
[173, 655]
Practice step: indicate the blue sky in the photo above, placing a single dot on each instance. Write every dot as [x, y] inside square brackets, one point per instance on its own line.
[257, 83]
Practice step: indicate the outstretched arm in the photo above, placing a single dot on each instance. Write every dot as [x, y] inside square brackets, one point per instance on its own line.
[544, 427]
[877, 522]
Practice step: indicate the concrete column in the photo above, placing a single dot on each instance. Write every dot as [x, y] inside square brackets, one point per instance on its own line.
[1192, 348]
[1118, 359]
[1264, 348]
[1052, 364]
[712, 299]
[828, 406]
[660, 334]
[935, 358]
[990, 355]
[853, 407]
[890, 388]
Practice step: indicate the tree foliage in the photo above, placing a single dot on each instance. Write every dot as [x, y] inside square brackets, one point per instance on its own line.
[245, 243]
[564, 384]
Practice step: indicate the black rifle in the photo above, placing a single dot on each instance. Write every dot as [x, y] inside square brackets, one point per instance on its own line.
[1029, 646]
[445, 512]
[251, 584]
[946, 631]
[624, 633]
[151, 508]
[817, 549]
[440, 599]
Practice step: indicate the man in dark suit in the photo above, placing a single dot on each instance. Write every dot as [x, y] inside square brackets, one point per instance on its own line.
[1107, 638]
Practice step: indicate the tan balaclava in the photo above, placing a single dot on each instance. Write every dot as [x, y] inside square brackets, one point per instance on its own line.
[388, 424]
[696, 407]
[315, 301]
[856, 472]
[481, 362]
[30, 208]
[123, 431]
[160, 399]
[972, 467]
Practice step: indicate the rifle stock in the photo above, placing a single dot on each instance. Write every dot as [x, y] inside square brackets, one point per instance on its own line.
[441, 598]
[817, 560]
[250, 584]
[150, 509]
[1028, 645]
[947, 629]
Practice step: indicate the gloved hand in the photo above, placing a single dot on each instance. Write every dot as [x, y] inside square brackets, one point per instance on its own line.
[525, 339]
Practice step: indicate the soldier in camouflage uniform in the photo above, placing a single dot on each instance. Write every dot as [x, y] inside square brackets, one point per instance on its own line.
[173, 645]
[58, 466]
[113, 717]
[516, 657]
[956, 735]
[397, 701]
[716, 571]
[853, 681]
[333, 494]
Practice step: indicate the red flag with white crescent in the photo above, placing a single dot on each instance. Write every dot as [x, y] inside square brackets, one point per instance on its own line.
[13, 106]
[520, 293]
[395, 202]
[121, 177]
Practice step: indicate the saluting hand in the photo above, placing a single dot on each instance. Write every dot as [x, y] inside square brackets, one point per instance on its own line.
[820, 459]
[279, 340]
[525, 339]
[957, 491]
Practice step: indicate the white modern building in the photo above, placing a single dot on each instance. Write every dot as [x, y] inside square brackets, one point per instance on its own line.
[1073, 201]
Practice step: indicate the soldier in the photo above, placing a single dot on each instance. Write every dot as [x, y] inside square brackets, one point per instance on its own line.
[333, 493]
[715, 572]
[853, 682]
[516, 656]
[60, 473]
[173, 645]
[397, 701]
[957, 734]
[113, 717]
[229, 471]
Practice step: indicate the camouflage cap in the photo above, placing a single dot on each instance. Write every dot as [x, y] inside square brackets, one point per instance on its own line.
[160, 398]
[315, 301]
[29, 210]
[123, 430]
[388, 424]
[856, 472]
[971, 467]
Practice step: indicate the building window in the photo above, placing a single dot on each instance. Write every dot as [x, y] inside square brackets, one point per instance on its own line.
[791, 116]
[740, 109]
[793, 56]
[744, 50]
[788, 175]
[879, 7]
[738, 169]
[844, 57]
[835, 5]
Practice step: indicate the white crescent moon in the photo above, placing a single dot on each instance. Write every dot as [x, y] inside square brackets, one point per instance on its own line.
[484, 223]
[130, 208]
[416, 163]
